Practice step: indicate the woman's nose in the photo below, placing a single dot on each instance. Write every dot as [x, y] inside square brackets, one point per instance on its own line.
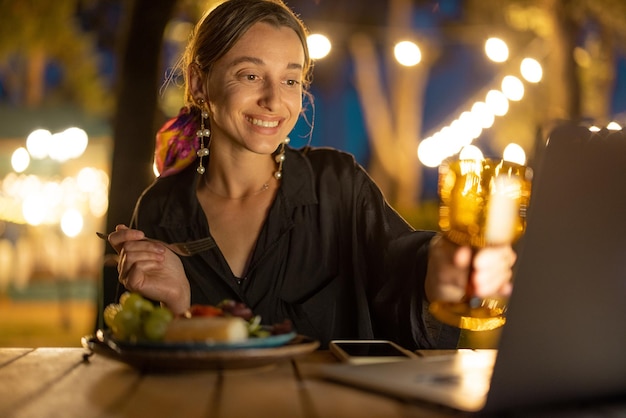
[270, 95]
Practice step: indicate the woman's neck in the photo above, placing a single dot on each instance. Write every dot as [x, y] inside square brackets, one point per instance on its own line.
[239, 178]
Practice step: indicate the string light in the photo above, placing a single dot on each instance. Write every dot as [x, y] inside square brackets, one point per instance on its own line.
[455, 137]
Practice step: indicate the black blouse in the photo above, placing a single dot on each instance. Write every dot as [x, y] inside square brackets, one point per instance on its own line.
[332, 256]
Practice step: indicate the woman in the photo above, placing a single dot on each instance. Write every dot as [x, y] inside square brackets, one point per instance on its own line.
[301, 234]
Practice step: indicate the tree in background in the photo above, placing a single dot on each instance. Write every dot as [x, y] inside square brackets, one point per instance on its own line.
[135, 117]
[393, 119]
[578, 42]
[45, 57]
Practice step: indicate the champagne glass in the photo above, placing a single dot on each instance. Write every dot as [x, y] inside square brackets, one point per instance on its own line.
[482, 203]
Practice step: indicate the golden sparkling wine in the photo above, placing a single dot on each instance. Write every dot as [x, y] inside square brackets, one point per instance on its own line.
[482, 203]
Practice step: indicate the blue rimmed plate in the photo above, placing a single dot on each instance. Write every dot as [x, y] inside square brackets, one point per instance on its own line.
[175, 357]
[261, 342]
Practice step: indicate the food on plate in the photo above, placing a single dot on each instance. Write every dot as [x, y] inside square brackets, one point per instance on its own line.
[135, 319]
[208, 328]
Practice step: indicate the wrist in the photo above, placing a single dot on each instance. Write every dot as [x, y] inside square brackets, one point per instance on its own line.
[178, 301]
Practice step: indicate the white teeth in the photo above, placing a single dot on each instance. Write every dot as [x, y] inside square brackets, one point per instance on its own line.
[263, 123]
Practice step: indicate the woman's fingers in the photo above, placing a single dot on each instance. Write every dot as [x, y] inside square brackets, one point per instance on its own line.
[493, 271]
[122, 235]
[449, 270]
[139, 253]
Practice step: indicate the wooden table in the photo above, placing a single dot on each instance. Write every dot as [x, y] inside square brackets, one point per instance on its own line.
[62, 382]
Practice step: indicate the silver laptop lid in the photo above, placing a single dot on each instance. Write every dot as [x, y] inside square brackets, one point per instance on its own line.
[565, 336]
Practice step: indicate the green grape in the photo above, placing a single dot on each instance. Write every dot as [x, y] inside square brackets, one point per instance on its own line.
[163, 313]
[136, 318]
[127, 325]
[155, 325]
[123, 297]
[109, 313]
[136, 302]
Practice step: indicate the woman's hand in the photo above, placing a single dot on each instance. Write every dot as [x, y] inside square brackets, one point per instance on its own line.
[150, 269]
[449, 266]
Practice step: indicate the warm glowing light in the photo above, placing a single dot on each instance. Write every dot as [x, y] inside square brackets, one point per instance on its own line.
[483, 114]
[68, 144]
[76, 141]
[426, 152]
[407, 53]
[20, 160]
[99, 203]
[33, 209]
[471, 152]
[496, 50]
[471, 124]
[38, 142]
[58, 148]
[87, 179]
[457, 137]
[531, 70]
[514, 153]
[71, 223]
[319, 45]
[613, 126]
[155, 170]
[513, 88]
[497, 102]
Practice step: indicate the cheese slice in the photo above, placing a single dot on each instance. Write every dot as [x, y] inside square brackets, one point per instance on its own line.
[207, 329]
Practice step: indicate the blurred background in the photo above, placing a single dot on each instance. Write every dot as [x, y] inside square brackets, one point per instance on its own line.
[401, 84]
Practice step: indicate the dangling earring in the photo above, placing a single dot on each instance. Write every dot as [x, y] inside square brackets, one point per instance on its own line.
[203, 133]
[280, 158]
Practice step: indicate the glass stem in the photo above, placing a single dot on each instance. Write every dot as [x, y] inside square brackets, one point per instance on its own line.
[470, 298]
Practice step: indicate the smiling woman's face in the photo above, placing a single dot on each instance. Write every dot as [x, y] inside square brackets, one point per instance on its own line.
[255, 90]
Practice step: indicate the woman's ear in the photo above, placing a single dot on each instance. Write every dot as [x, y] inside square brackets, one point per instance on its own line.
[197, 82]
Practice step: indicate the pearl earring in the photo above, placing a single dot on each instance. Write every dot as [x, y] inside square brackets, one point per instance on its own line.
[203, 133]
[280, 159]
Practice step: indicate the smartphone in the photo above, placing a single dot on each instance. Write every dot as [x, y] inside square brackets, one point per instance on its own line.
[368, 351]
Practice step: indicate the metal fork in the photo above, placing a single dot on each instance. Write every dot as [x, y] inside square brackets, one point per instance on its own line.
[184, 249]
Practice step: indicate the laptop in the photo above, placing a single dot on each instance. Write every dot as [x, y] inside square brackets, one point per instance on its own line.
[565, 335]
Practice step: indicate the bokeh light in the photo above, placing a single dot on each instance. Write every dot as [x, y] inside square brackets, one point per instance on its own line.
[38, 142]
[20, 160]
[76, 141]
[471, 152]
[531, 70]
[513, 88]
[613, 126]
[33, 209]
[407, 53]
[514, 153]
[72, 222]
[496, 50]
[319, 45]
[497, 102]
[483, 115]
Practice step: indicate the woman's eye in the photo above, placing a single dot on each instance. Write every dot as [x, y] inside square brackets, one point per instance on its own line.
[251, 77]
[292, 82]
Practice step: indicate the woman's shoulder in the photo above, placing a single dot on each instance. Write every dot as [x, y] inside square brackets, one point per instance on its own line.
[329, 168]
[325, 154]
[165, 190]
[162, 187]
[327, 158]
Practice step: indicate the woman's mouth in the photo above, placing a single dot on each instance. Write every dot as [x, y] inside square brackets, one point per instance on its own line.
[263, 123]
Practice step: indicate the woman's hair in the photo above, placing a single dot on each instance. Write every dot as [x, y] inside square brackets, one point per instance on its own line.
[217, 32]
